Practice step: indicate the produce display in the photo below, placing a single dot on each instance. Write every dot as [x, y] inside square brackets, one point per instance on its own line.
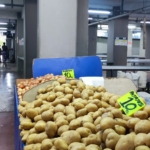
[69, 115]
[26, 85]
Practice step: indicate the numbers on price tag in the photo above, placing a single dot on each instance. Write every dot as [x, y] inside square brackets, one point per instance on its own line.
[130, 103]
[68, 73]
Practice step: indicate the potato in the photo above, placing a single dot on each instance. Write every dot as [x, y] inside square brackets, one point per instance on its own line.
[76, 146]
[71, 136]
[70, 117]
[28, 147]
[40, 126]
[96, 114]
[107, 114]
[90, 126]
[85, 94]
[142, 147]
[106, 123]
[120, 130]
[24, 138]
[60, 144]
[84, 132]
[97, 96]
[97, 121]
[61, 122]
[59, 88]
[26, 125]
[70, 110]
[68, 90]
[36, 146]
[113, 100]
[100, 89]
[87, 118]
[59, 108]
[29, 105]
[91, 107]
[147, 139]
[73, 82]
[93, 147]
[51, 129]
[139, 139]
[81, 112]
[111, 140]
[105, 105]
[41, 90]
[47, 115]
[76, 93]
[38, 109]
[61, 117]
[105, 133]
[66, 85]
[141, 114]
[38, 103]
[91, 139]
[78, 106]
[61, 80]
[44, 108]
[31, 113]
[74, 124]
[23, 132]
[56, 115]
[121, 122]
[131, 122]
[80, 85]
[51, 97]
[59, 94]
[143, 126]
[23, 103]
[116, 113]
[32, 130]
[125, 143]
[62, 129]
[37, 118]
[69, 96]
[117, 105]
[147, 109]
[30, 138]
[46, 144]
[56, 102]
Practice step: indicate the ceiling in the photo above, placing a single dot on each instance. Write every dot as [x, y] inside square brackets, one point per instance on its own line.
[128, 6]
[8, 14]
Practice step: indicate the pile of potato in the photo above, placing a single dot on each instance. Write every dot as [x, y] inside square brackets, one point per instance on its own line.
[74, 116]
[26, 85]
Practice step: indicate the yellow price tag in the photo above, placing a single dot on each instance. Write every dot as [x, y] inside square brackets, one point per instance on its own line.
[68, 73]
[131, 103]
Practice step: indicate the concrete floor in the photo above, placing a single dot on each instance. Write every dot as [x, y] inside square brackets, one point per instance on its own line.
[8, 77]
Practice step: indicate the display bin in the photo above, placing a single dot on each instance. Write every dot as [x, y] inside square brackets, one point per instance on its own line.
[82, 66]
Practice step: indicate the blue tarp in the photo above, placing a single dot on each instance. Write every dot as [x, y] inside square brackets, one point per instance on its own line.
[83, 66]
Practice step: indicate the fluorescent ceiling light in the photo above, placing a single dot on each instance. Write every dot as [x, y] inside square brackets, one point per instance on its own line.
[99, 12]
[2, 31]
[2, 5]
[131, 26]
[98, 25]
[3, 28]
[90, 18]
[2, 23]
[147, 22]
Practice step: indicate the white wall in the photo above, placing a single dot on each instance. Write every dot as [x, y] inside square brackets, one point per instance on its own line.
[101, 45]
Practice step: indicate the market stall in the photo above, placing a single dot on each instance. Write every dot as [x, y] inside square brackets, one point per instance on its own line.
[58, 113]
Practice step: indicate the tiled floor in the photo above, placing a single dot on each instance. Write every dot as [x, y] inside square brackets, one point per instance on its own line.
[8, 77]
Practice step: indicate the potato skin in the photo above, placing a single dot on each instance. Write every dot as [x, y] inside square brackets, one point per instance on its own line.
[46, 144]
[125, 143]
[142, 147]
[143, 126]
[51, 129]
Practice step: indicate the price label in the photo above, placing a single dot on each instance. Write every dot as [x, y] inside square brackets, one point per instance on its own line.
[68, 73]
[131, 103]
